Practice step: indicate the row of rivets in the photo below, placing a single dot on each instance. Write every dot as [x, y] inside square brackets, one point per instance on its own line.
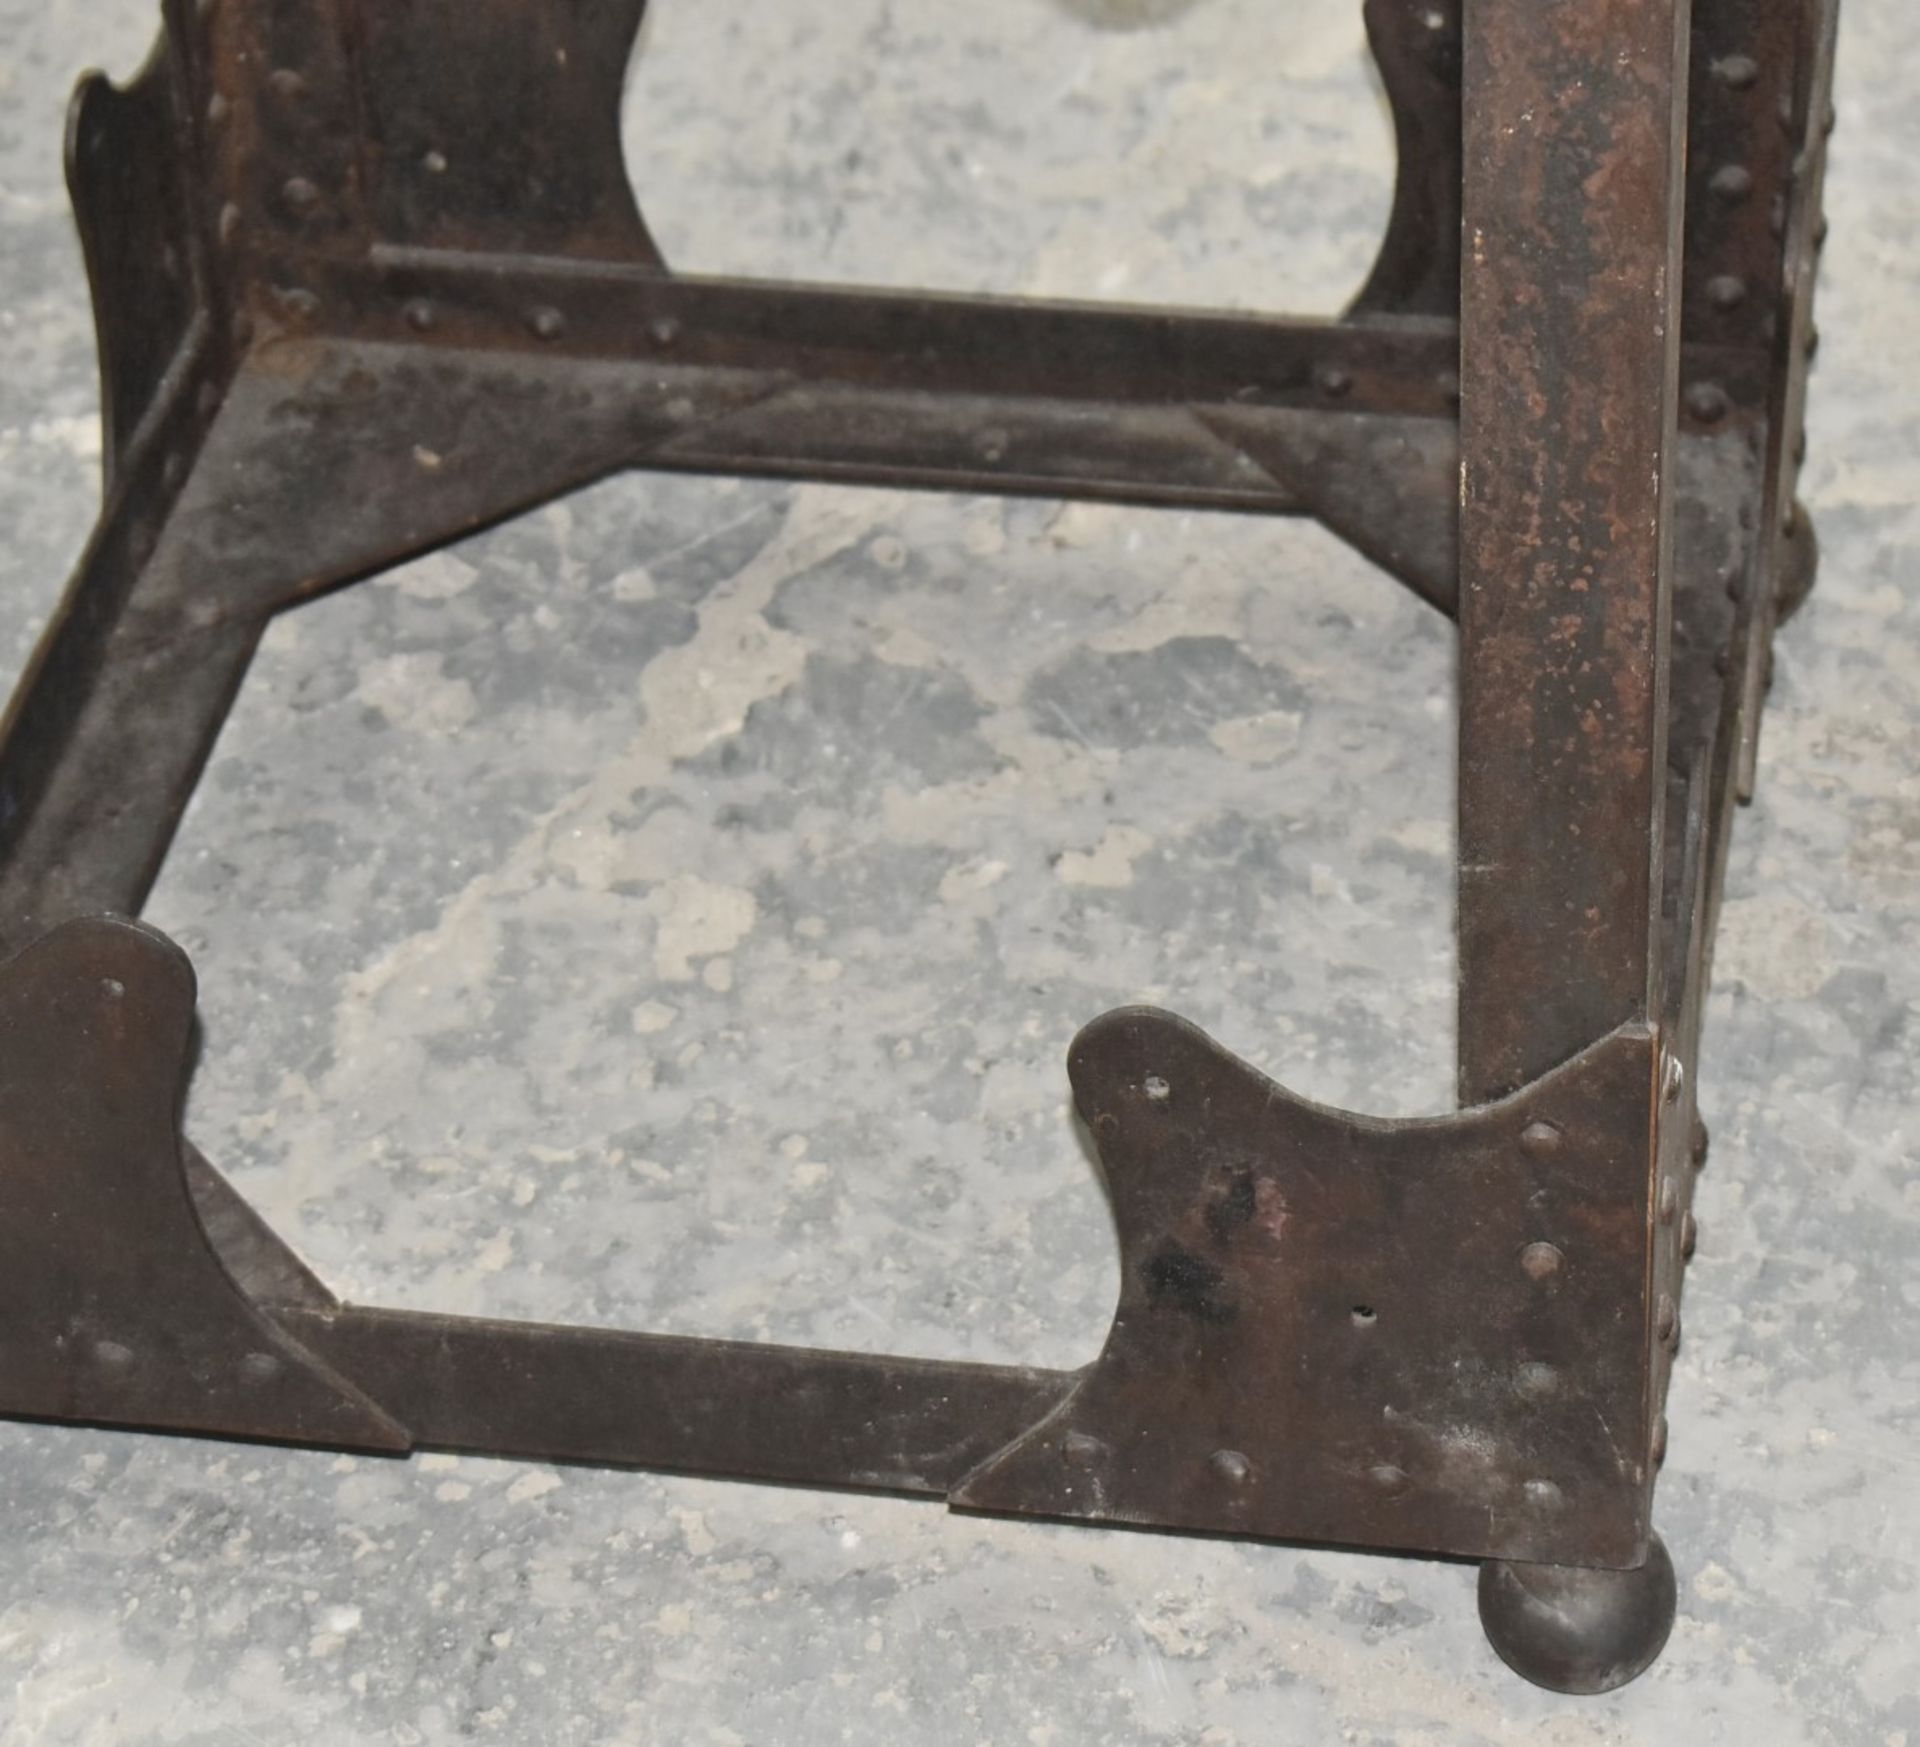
[1540, 1261]
[254, 1368]
[1233, 1469]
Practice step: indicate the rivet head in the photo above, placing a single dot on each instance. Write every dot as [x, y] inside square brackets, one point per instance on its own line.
[217, 109]
[419, 314]
[1156, 1088]
[1673, 1079]
[297, 300]
[1535, 1380]
[1657, 1445]
[300, 195]
[1666, 1317]
[227, 226]
[1540, 1140]
[1079, 1450]
[1540, 1261]
[1334, 380]
[992, 445]
[547, 322]
[1669, 1201]
[1697, 1143]
[1386, 1478]
[434, 162]
[1736, 72]
[1231, 1467]
[1726, 291]
[259, 1368]
[663, 330]
[288, 81]
[1543, 1495]
[1707, 402]
[1689, 1236]
[1731, 182]
[113, 1355]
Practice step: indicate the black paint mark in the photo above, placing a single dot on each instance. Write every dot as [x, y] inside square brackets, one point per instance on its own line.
[1230, 1210]
[1192, 1284]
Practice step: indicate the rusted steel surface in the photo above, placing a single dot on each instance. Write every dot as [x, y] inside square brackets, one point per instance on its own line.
[1416, 45]
[1575, 114]
[125, 172]
[1804, 113]
[1748, 58]
[792, 1414]
[1422, 1334]
[368, 277]
[113, 1308]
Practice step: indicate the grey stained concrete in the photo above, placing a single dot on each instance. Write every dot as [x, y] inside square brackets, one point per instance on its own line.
[672, 910]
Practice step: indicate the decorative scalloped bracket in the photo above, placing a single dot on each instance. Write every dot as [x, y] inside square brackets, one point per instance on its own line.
[1425, 1334]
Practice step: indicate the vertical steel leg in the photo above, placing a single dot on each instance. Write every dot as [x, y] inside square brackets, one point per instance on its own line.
[1574, 119]
[1570, 287]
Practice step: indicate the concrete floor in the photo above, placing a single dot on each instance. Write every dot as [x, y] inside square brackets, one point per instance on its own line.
[671, 910]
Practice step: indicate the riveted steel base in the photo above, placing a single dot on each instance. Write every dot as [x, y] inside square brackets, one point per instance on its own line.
[368, 276]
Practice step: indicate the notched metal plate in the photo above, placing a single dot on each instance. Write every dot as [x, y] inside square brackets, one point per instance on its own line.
[113, 1308]
[1414, 1334]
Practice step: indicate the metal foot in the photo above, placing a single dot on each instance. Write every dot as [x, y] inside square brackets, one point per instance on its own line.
[1577, 1630]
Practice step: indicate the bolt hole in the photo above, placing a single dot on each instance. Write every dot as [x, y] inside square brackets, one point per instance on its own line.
[1364, 1316]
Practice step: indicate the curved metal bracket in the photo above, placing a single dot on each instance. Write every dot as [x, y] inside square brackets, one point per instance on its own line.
[113, 1305]
[1416, 46]
[1426, 1334]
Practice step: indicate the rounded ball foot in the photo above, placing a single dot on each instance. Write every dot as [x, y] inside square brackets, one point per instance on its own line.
[1574, 1630]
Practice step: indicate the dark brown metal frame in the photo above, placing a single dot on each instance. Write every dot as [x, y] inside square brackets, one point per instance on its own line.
[370, 275]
